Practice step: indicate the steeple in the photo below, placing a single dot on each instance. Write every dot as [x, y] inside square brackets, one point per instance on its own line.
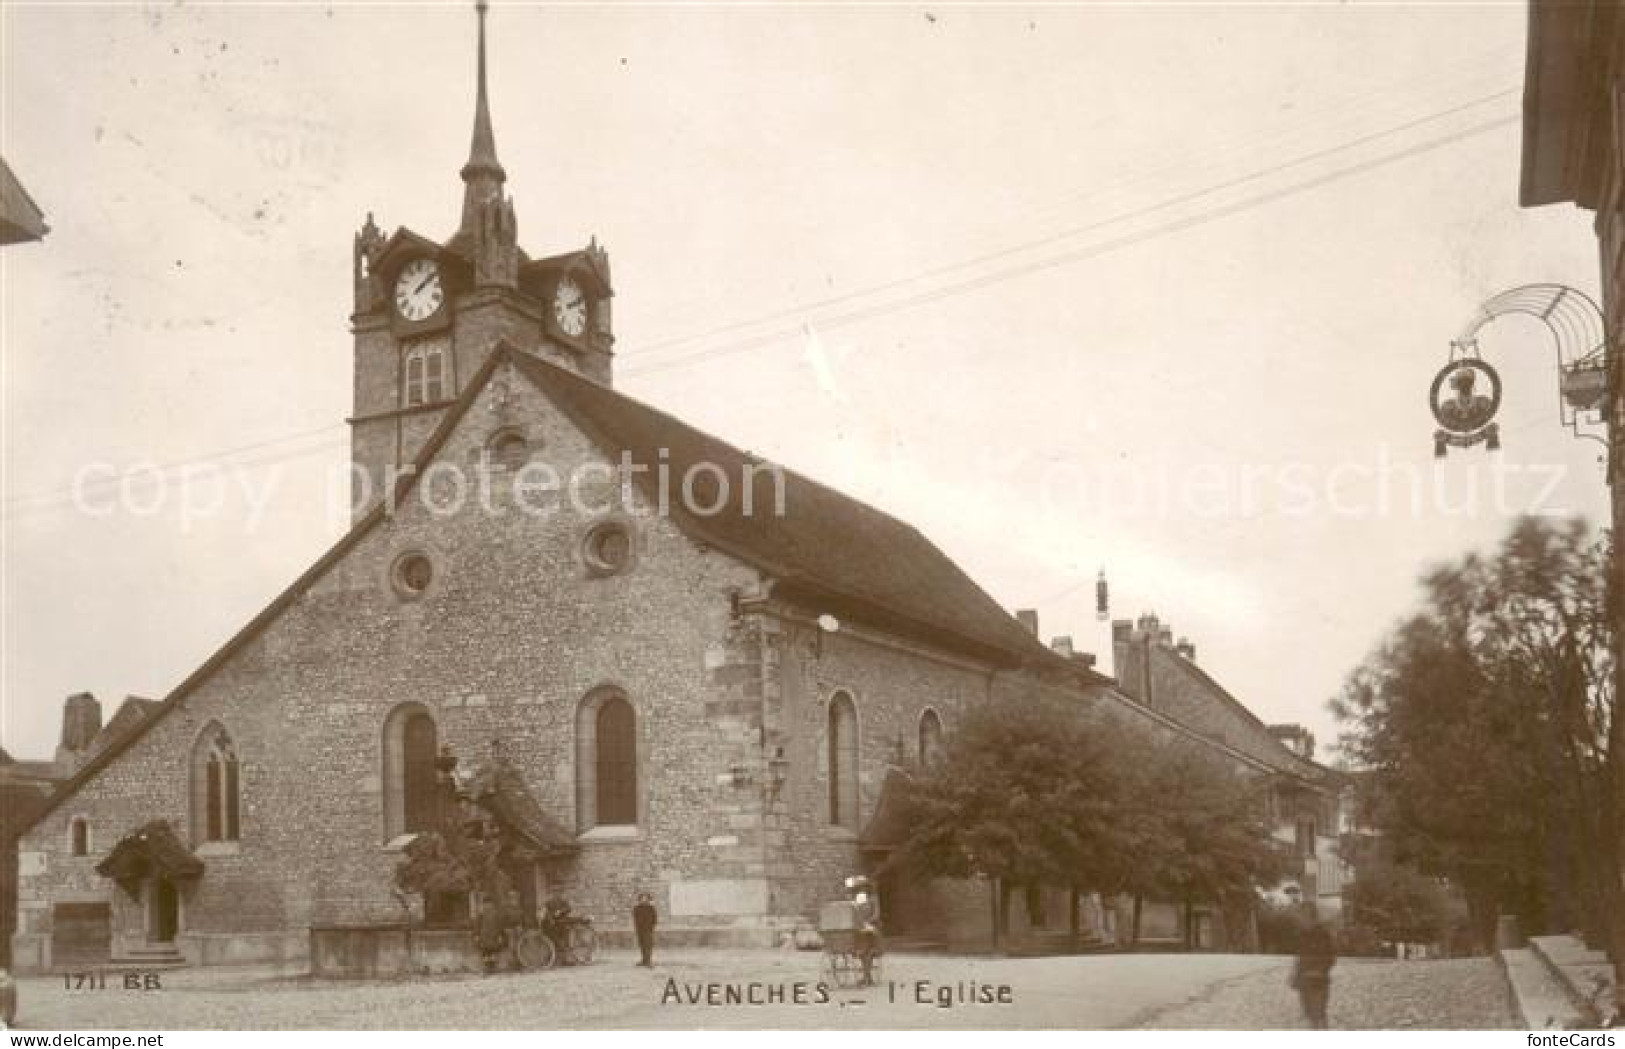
[483, 176]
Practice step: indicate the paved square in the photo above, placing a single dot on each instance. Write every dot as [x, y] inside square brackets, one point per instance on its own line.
[691, 990]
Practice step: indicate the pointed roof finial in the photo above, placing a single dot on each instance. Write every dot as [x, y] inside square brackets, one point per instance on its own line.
[483, 173]
[482, 150]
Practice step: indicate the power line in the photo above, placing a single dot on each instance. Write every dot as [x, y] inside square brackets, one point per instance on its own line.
[1052, 238]
[1080, 254]
[144, 477]
[183, 463]
[1319, 120]
[935, 294]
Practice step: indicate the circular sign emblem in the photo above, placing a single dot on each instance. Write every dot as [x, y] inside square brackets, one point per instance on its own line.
[1465, 396]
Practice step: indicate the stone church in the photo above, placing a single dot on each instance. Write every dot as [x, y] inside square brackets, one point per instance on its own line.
[699, 670]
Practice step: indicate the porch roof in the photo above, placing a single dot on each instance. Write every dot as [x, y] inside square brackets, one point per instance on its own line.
[888, 828]
[154, 849]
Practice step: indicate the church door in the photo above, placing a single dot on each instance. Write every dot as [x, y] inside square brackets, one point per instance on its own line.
[163, 911]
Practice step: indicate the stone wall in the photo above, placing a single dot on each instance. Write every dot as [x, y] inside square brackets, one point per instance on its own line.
[892, 684]
[511, 634]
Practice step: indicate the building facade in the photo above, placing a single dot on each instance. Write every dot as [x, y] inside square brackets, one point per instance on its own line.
[1305, 797]
[698, 669]
[1574, 152]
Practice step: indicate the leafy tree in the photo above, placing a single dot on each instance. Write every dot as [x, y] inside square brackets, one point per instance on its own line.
[1204, 836]
[459, 856]
[1485, 719]
[1398, 904]
[1043, 793]
[1030, 794]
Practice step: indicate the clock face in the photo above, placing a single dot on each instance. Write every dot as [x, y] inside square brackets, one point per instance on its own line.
[570, 307]
[418, 294]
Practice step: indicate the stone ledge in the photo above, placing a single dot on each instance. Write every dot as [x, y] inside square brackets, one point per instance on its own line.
[1585, 974]
[1538, 996]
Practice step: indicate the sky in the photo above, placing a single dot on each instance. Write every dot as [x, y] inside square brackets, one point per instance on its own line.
[1157, 290]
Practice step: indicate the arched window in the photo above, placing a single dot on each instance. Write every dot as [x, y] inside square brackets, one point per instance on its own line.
[425, 373]
[606, 762]
[79, 836]
[216, 802]
[411, 785]
[842, 736]
[930, 738]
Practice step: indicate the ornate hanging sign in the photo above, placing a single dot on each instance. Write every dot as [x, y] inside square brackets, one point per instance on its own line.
[1467, 392]
[1464, 397]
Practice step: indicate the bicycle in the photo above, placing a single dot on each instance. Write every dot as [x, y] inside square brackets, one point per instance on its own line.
[531, 949]
[574, 939]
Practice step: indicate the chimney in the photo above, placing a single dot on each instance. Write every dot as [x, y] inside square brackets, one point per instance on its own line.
[1085, 658]
[81, 721]
[1165, 636]
[1062, 645]
[1186, 649]
[1128, 659]
[1028, 618]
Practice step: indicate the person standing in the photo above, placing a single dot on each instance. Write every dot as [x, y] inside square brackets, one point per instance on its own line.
[643, 924]
[866, 914]
[1312, 974]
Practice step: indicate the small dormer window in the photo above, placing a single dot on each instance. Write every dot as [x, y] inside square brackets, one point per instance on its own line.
[425, 373]
[508, 450]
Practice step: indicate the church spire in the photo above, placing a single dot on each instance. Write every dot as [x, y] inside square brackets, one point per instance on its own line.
[482, 175]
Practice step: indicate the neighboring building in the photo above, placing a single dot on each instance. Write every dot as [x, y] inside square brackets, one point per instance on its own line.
[1574, 152]
[20, 217]
[682, 690]
[26, 787]
[1305, 797]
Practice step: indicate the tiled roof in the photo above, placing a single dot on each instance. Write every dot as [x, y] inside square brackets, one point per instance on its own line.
[828, 545]
[129, 717]
[825, 544]
[20, 218]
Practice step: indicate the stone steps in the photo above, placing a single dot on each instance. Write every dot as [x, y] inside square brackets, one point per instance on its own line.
[148, 957]
[1585, 974]
[1541, 993]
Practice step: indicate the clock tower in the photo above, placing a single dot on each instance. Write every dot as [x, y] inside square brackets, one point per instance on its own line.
[428, 312]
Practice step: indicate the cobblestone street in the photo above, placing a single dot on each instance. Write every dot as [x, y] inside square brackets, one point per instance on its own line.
[1094, 992]
[1455, 995]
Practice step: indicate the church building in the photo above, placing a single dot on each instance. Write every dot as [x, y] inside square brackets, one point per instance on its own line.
[699, 669]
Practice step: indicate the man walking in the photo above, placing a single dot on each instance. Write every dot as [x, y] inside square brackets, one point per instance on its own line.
[643, 924]
[1312, 973]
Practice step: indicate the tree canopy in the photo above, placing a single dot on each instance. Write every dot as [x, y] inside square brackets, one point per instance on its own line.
[1484, 721]
[1029, 793]
[1043, 792]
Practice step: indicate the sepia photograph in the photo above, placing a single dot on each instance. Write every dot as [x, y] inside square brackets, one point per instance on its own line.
[906, 517]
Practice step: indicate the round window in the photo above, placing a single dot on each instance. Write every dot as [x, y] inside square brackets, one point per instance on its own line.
[609, 547]
[412, 574]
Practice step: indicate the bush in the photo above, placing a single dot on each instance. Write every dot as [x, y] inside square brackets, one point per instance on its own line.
[1360, 941]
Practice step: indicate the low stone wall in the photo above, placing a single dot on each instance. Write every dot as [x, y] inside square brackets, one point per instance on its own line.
[281, 948]
[389, 949]
[30, 953]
